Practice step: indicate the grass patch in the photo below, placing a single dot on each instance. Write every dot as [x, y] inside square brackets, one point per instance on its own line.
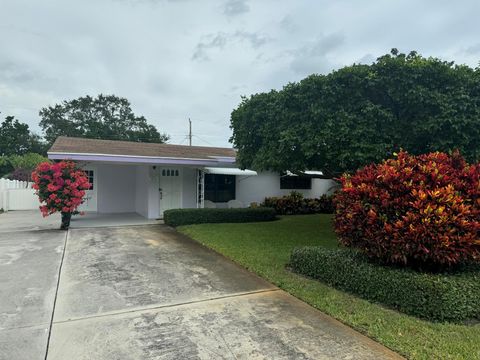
[265, 248]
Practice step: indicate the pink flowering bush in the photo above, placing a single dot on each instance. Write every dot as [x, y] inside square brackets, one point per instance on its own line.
[60, 188]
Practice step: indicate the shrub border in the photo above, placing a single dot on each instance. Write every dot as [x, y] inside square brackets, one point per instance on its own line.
[178, 217]
[451, 297]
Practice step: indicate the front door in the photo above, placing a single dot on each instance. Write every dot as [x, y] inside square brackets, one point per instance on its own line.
[90, 199]
[170, 189]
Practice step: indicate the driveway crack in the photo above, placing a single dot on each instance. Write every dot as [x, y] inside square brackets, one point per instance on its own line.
[56, 293]
[166, 306]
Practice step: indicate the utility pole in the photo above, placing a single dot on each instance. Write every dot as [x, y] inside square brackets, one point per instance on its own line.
[190, 131]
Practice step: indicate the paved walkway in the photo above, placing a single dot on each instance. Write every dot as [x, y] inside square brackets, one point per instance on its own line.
[147, 292]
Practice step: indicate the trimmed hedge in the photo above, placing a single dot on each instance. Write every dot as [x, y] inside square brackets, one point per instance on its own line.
[441, 297]
[177, 217]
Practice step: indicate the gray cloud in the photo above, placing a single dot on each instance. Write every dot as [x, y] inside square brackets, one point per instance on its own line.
[11, 72]
[217, 41]
[288, 24]
[235, 7]
[221, 39]
[254, 39]
[366, 59]
[473, 50]
[24, 76]
[313, 57]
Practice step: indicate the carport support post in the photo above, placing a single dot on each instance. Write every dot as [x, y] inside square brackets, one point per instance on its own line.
[66, 217]
[200, 188]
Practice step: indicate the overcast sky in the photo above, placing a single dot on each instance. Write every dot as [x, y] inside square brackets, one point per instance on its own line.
[179, 59]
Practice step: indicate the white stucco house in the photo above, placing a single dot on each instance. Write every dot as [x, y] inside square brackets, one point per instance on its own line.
[150, 178]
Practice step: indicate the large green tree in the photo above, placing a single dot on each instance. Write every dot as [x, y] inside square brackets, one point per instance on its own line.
[17, 139]
[104, 117]
[361, 114]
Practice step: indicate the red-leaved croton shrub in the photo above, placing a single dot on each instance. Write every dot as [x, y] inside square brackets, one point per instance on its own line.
[60, 188]
[418, 211]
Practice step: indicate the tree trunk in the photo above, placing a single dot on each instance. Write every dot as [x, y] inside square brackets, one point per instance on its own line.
[66, 217]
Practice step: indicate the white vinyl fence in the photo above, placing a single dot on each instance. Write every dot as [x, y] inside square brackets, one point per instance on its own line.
[17, 195]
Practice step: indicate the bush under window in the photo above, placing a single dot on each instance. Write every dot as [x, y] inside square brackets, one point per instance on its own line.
[295, 204]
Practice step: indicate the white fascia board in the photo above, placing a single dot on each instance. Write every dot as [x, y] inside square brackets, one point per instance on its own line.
[138, 159]
[229, 171]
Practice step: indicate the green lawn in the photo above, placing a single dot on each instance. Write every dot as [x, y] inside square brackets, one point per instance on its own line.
[264, 248]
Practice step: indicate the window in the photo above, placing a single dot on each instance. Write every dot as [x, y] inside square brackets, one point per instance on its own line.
[295, 182]
[90, 176]
[170, 172]
[219, 188]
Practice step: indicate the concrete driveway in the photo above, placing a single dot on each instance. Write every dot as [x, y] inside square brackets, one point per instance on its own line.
[30, 258]
[147, 292]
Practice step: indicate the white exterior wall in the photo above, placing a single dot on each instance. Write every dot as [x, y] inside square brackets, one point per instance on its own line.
[116, 188]
[189, 200]
[141, 190]
[266, 184]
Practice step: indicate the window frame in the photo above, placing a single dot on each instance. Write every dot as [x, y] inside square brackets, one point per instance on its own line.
[218, 193]
[90, 174]
[294, 182]
[169, 172]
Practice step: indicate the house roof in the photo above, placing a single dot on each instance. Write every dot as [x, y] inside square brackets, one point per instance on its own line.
[96, 149]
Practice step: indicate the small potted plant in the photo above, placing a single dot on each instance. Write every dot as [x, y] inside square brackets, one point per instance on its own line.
[60, 188]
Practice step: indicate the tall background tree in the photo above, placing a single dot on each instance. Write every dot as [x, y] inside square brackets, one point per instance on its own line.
[20, 149]
[17, 139]
[361, 114]
[104, 117]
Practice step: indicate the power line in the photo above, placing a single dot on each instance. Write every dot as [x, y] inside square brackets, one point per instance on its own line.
[183, 140]
[178, 136]
[205, 141]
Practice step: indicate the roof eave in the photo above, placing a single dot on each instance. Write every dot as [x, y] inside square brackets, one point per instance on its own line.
[133, 159]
